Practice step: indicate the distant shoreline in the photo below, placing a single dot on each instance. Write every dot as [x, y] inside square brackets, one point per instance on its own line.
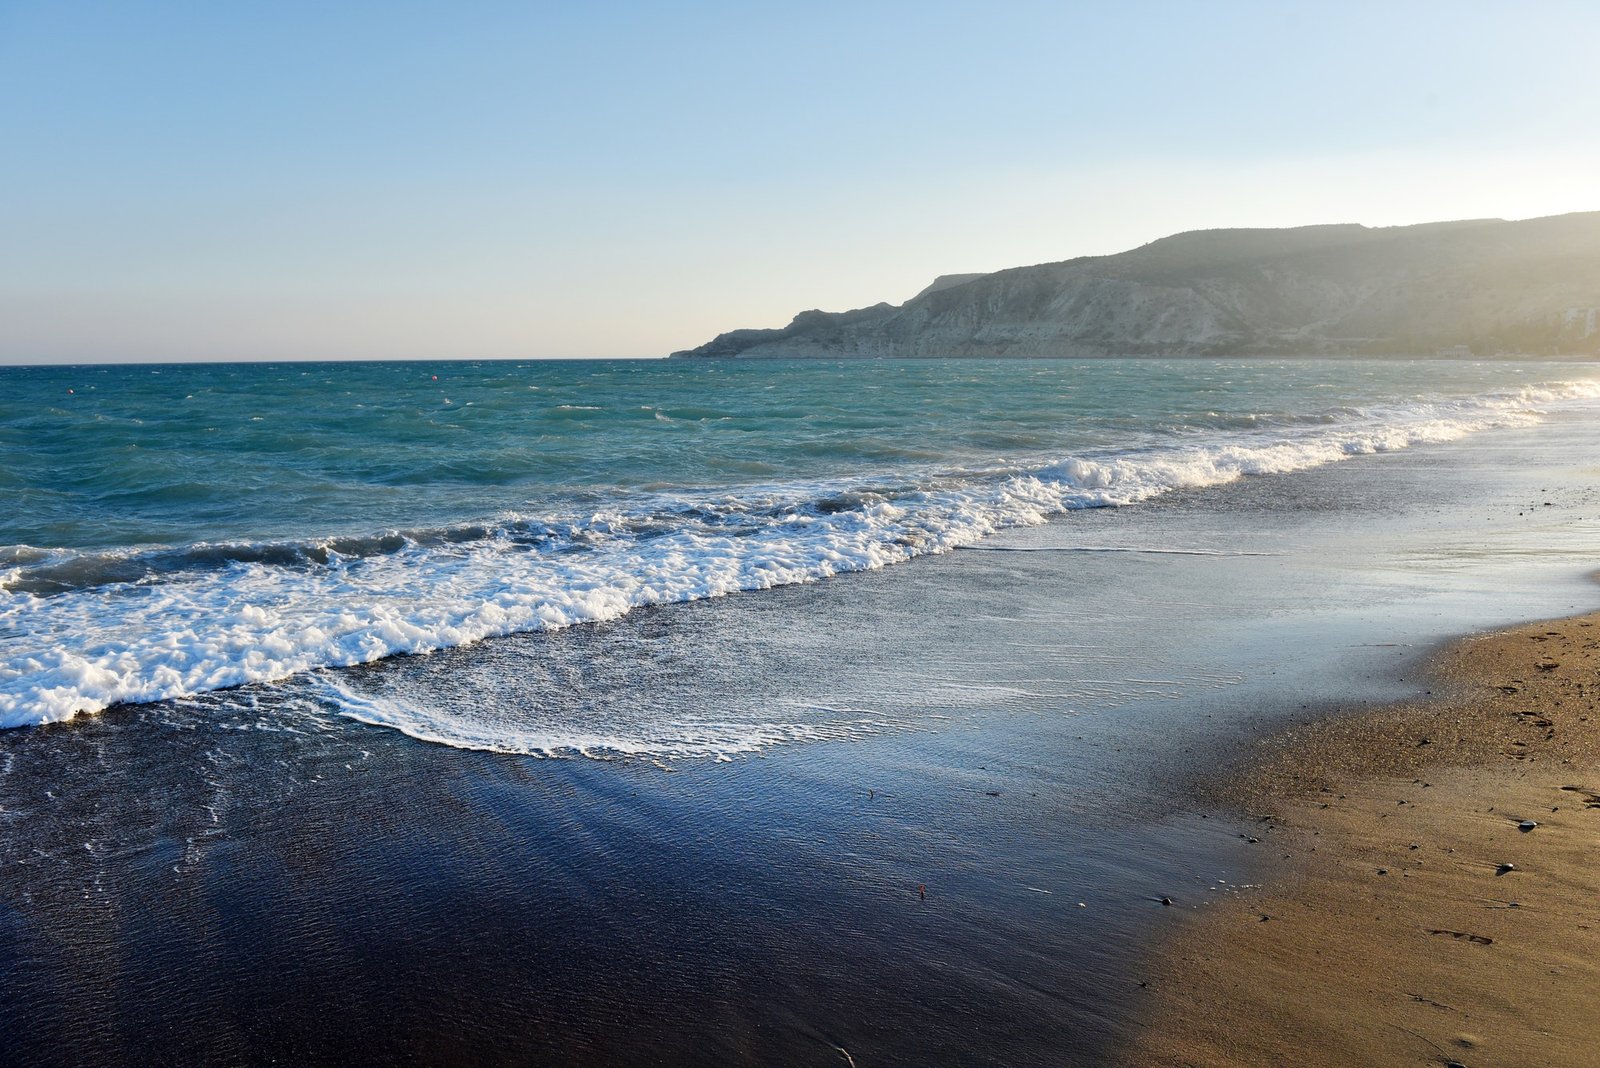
[1447, 288]
[719, 360]
[1586, 357]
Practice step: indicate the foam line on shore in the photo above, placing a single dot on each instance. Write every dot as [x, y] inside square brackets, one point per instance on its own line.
[1110, 549]
[681, 736]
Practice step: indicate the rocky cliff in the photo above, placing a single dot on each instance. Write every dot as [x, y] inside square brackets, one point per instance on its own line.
[1482, 287]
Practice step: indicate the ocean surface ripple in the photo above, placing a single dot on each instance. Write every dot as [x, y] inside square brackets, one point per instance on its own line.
[86, 627]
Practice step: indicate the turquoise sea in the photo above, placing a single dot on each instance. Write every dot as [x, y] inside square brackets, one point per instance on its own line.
[176, 529]
[684, 713]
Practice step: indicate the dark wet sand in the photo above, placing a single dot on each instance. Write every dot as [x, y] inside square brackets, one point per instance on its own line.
[1389, 931]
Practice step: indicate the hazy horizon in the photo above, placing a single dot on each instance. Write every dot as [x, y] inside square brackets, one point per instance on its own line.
[398, 183]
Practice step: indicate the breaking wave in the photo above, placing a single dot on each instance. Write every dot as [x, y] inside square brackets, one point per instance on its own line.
[83, 631]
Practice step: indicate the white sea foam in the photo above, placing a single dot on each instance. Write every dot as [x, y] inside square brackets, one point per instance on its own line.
[681, 736]
[252, 617]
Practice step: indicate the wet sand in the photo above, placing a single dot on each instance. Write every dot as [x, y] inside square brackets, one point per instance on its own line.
[1409, 915]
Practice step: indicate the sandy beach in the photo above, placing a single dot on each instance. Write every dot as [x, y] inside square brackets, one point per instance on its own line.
[1434, 896]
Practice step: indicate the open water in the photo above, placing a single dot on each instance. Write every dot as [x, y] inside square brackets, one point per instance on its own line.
[176, 530]
[572, 713]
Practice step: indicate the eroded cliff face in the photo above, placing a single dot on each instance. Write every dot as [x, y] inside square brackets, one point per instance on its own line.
[1484, 286]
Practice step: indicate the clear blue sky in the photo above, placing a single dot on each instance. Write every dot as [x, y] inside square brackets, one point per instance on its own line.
[218, 180]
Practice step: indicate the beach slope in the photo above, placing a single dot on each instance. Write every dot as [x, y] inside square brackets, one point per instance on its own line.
[1435, 889]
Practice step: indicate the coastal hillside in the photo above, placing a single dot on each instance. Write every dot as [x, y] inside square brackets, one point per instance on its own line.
[1478, 287]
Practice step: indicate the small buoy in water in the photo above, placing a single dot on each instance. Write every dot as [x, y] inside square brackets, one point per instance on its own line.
[922, 892]
[436, 378]
[71, 390]
[1166, 901]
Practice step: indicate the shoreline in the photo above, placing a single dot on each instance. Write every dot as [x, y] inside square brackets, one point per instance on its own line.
[1409, 915]
[246, 859]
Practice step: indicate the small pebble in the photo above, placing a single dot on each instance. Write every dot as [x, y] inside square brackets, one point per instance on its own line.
[1527, 825]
